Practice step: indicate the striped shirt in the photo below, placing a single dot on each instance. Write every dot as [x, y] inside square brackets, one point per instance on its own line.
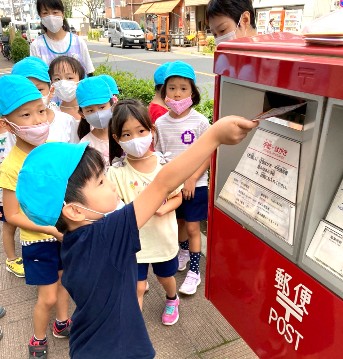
[176, 135]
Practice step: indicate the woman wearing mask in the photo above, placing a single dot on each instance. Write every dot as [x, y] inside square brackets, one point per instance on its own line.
[230, 19]
[58, 40]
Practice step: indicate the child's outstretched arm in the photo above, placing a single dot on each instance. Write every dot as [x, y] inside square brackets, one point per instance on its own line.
[229, 130]
[170, 205]
[18, 219]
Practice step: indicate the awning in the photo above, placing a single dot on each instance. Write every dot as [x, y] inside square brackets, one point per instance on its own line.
[162, 7]
[143, 8]
[196, 2]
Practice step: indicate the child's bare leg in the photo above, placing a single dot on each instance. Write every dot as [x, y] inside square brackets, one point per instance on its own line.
[141, 286]
[62, 302]
[194, 236]
[169, 285]
[8, 232]
[47, 298]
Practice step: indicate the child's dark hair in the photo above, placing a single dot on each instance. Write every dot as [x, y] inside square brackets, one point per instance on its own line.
[84, 127]
[75, 65]
[232, 9]
[158, 87]
[195, 90]
[91, 165]
[122, 111]
[54, 5]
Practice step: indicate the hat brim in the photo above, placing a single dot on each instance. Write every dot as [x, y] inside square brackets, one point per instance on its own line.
[25, 99]
[94, 101]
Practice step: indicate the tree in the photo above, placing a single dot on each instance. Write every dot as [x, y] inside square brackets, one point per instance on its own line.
[68, 7]
[93, 6]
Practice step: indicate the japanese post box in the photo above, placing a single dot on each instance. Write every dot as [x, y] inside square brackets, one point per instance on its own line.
[275, 227]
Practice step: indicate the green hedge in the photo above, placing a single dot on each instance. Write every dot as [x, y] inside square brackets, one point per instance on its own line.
[143, 89]
[19, 49]
[94, 35]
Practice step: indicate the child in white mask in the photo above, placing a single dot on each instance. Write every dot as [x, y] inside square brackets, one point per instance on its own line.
[65, 73]
[176, 131]
[57, 39]
[230, 19]
[135, 166]
[95, 100]
[62, 127]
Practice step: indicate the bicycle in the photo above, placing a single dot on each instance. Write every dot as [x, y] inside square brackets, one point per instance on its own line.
[6, 48]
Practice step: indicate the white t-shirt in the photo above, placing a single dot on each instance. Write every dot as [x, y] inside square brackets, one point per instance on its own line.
[176, 135]
[60, 46]
[101, 145]
[7, 141]
[63, 128]
[158, 236]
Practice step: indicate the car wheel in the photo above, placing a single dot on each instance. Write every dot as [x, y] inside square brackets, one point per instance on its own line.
[122, 44]
[110, 41]
[142, 46]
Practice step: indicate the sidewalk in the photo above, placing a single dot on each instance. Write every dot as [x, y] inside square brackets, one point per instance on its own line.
[5, 65]
[201, 331]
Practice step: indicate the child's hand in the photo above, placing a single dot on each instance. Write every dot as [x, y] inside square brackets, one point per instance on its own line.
[233, 129]
[189, 188]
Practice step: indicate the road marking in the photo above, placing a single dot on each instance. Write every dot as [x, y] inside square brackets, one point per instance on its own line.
[144, 61]
[6, 71]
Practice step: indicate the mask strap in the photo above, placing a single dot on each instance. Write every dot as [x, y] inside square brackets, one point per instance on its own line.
[87, 209]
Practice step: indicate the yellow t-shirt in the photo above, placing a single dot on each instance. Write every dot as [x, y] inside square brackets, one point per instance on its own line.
[9, 171]
[159, 236]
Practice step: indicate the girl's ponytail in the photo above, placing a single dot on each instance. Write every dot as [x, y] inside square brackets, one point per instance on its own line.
[84, 128]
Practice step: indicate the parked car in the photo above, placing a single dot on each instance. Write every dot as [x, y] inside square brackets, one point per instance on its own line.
[125, 33]
[34, 29]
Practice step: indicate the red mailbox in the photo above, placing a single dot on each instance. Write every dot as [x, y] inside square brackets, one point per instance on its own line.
[275, 227]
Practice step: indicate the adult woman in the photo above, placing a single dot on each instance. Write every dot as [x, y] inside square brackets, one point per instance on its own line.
[230, 19]
[58, 40]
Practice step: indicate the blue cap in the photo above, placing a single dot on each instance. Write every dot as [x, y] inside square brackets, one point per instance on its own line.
[111, 82]
[92, 91]
[32, 67]
[15, 91]
[45, 173]
[160, 73]
[181, 69]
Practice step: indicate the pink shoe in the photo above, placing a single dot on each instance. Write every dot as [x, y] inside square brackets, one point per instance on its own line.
[190, 284]
[171, 312]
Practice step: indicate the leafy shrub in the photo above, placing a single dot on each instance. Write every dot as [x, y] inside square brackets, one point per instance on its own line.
[93, 35]
[210, 45]
[19, 49]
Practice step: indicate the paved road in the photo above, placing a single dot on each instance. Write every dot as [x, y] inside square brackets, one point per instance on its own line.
[144, 63]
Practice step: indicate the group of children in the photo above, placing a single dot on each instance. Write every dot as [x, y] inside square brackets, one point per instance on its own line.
[114, 200]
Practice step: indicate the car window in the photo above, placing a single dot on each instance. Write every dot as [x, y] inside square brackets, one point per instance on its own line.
[34, 26]
[127, 25]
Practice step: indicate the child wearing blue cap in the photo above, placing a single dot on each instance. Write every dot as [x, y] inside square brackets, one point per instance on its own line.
[107, 322]
[176, 131]
[65, 73]
[95, 100]
[24, 114]
[157, 106]
[130, 133]
[111, 82]
[63, 127]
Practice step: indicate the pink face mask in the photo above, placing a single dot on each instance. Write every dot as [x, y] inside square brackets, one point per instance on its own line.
[179, 106]
[34, 135]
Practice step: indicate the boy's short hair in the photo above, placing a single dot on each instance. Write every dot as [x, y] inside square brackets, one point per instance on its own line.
[92, 91]
[15, 91]
[32, 67]
[46, 172]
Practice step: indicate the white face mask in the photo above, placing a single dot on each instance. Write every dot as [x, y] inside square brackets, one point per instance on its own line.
[99, 119]
[229, 36]
[137, 147]
[65, 90]
[120, 205]
[53, 23]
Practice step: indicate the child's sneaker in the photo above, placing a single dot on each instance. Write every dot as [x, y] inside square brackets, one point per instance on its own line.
[183, 258]
[190, 284]
[171, 311]
[37, 349]
[16, 267]
[63, 332]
